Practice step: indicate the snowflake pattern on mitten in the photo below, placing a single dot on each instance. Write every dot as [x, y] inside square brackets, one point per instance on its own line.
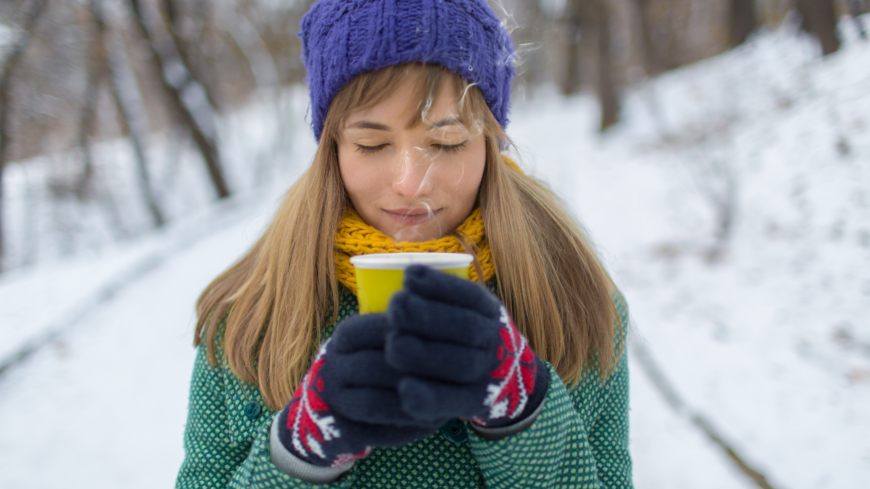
[514, 376]
[309, 421]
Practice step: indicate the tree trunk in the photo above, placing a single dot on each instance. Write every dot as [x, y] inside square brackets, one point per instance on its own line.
[250, 43]
[607, 90]
[11, 62]
[820, 20]
[128, 99]
[651, 64]
[573, 22]
[186, 50]
[856, 8]
[742, 21]
[96, 73]
[186, 94]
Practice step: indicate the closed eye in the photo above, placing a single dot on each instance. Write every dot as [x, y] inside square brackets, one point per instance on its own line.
[368, 150]
[450, 148]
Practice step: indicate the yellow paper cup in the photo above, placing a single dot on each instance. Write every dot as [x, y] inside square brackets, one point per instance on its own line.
[380, 275]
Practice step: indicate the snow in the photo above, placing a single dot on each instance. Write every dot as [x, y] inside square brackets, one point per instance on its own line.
[105, 407]
[768, 339]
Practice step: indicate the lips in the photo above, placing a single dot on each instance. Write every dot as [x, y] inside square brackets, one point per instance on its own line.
[410, 217]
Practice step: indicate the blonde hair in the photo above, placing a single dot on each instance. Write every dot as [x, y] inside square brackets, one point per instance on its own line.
[280, 295]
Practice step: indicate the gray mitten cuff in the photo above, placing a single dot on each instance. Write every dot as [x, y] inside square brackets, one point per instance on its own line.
[495, 434]
[294, 467]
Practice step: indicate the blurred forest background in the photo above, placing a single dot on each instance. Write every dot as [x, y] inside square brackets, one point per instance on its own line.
[98, 92]
[718, 151]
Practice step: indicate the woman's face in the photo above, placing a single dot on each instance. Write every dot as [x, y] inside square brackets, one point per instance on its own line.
[413, 182]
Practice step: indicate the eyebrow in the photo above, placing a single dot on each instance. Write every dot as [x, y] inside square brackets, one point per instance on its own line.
[368, 125]
[450, 121]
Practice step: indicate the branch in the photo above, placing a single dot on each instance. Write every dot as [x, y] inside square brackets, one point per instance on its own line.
[186, 94]
[184, 47]
[130, 106]
[667, 390]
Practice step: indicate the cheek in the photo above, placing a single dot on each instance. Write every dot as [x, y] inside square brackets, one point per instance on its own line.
[355, 176]
[468, 176]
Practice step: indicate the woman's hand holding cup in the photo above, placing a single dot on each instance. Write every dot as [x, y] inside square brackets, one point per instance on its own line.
[445, 348]
[348, 401]
[459, 354]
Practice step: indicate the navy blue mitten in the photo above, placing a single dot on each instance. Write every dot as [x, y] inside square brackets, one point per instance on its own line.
[459, 353]
[348, 401]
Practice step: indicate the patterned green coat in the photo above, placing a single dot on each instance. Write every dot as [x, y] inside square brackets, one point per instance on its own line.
[579, 440]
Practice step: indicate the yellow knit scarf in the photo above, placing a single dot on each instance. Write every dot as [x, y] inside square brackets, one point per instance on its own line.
[355, 237]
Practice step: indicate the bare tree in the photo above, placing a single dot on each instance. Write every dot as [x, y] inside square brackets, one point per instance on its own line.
[651, 63]
[253, 47]
[593, 18]
[128, 100]
[856, 8]
[606, 86]
[742, 21]
[186, 93]
[87, 120]
[573, 20]
[820, 20]
[9, 65]
[188, 51]
[669, 22]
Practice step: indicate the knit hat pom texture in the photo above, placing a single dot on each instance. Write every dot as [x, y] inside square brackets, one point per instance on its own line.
[344, 38]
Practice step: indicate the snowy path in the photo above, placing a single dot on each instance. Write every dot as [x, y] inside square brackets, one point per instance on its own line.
[105, 405]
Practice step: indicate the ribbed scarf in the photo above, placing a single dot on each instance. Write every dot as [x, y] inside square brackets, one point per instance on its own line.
[355, 237]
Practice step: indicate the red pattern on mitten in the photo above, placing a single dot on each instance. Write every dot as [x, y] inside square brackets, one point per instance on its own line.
[514, 376]
[308, 420]
[342, 407]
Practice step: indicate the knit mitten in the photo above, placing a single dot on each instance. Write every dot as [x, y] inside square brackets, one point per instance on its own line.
[347, 402]
[460, 354]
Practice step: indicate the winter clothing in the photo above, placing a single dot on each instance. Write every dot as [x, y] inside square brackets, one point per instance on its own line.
[445, 348]
[343, 38]
[346, 404]
[355, 237]
[578, 440]
[459, 353]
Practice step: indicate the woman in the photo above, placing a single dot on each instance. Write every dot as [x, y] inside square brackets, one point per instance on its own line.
[522, 382]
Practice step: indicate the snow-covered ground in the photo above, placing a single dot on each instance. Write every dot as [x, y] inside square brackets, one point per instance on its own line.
[771, 341]
[768, 339]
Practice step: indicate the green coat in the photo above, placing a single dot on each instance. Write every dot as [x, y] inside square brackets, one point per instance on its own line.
[579, 440]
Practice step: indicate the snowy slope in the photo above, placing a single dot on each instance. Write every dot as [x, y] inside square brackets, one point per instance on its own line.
[770, 341]
[773, 341]
[105, 406]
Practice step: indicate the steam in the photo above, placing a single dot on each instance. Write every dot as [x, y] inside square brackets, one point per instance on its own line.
[406, 170]
[411, 163]
[522, 54]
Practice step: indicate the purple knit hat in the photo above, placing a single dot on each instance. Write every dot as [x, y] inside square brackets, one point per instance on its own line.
[343, 38]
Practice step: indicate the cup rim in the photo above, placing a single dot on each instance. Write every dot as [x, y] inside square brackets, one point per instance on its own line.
[402, 260]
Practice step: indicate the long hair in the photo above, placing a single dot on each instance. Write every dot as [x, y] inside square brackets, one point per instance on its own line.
[274, 302]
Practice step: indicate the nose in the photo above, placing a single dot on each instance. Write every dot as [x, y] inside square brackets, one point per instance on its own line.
[411, 175]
